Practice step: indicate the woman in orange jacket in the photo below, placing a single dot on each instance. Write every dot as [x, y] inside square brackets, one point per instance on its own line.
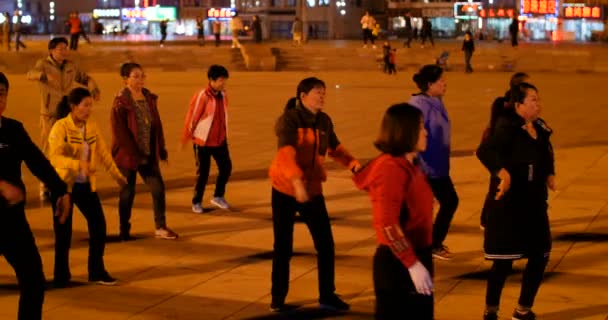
[306, 134]
[75, 148]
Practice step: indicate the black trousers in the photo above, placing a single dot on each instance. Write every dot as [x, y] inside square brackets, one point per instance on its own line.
[396, 296]
[467, 60]
[163, 38]
[217, 39]
[367, 35]
[89, 205]
[74, 37]
[314, 213]
[532, 278]
[18, 42]
[444, 192]
[408, 36]
[150, 173]
[203, 155]
[18, 247]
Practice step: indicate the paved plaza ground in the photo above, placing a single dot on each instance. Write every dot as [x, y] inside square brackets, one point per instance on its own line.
[220, 266]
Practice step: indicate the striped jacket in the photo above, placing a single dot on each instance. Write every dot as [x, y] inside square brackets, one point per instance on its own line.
[65, 150]
[200, 116]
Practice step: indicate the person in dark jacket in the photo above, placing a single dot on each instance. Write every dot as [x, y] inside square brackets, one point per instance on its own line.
[402, 204]
[257, 29]
[17, 243]
[519, 156]
[200, 31]
[436, 158]
[306, 134]
[514, 31]
[138, 146]
[163, 31]
[468, 46]
[498, 107]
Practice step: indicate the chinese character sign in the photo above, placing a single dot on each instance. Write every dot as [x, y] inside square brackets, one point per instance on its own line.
[221, 13]
[580, 10]
[494, 12]
[541, 7]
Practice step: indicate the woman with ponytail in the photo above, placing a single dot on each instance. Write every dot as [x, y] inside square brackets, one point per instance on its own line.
[76, 147]
[305, 135]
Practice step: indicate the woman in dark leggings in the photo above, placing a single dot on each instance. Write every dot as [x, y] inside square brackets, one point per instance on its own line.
[519, 156]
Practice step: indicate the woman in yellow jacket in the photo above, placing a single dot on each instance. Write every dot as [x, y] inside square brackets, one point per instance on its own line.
[75, 148]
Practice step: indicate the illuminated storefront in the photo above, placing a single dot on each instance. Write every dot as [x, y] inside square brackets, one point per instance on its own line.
[539, 18]
[497, 20]
[467, 18]
[580, 21]
[147, 20]
[110, 19]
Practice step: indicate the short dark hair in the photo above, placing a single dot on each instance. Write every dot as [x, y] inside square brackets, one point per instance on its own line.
[4, 80]
[518, 78]
[430, 73]
[73, 99]
[304, 86]
[400, 130]
[127, 68]
[217, 71]
[519, 93]
[56, 41]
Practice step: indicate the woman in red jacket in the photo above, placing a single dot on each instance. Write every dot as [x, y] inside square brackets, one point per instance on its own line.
[306, 134]
[402, 203]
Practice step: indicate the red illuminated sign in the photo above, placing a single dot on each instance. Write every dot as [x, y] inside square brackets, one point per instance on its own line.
[579, 10]
[496, 13]
[538, 7]
[221, 14]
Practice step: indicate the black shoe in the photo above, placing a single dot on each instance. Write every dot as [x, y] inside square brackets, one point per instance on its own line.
[334, 303]
[523, 316]
[125, 236]
[61, 283]
[490, 316]
[103, 279]
[282, 307]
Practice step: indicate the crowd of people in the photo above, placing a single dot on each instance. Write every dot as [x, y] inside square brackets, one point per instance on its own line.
[412, 169]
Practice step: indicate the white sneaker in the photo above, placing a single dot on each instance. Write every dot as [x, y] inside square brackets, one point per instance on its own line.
[197, 208]
[220, 203]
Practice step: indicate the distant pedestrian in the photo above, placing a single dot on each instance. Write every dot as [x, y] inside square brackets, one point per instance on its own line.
[386, 53]
[257, 29]
[408, 30]
[514, 32]
[296, 31]
[217, 30]
[6, 31]
[367, 25]
[236, 27]
[519, 155]
[392, 62]
[427, 31]
[75, 26]
[18, 30]
[163, 31]
[200, 31]
[468, 46]
[206, 126]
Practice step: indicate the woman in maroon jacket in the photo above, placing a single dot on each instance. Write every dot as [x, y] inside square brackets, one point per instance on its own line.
[402, 203]
[138, 145]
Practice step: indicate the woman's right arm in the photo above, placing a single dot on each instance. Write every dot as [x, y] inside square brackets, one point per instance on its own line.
[491, 152]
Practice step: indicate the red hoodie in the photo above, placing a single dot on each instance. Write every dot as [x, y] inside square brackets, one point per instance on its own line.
[402, 204]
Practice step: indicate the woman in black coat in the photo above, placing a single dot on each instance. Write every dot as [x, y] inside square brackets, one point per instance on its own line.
[519, 156]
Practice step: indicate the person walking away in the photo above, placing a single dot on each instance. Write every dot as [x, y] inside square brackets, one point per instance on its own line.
[514, 31]
[57, 76]
[76, 148]
[367, 24]
[427, 31]
[519, 156]
[408, 30]
[392, 62]
[17, 243]
[386, 53]
[402, 206]
[257, 29]
[206, 126]
[163, 31]
[18, 30]
[217, 29]
[200, 31]
[236, 27]
[297, 32]
[304, 132]
[435, 159]
[75, 30]
[138, 146]
[468, 46]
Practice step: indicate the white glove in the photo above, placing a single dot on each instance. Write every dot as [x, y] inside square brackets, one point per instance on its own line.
[421, 278]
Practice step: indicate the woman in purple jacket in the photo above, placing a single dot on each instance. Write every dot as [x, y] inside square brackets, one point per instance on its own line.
[436, 159]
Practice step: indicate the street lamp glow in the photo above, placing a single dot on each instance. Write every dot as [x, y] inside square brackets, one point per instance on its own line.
[342, 12]
[52, 4]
